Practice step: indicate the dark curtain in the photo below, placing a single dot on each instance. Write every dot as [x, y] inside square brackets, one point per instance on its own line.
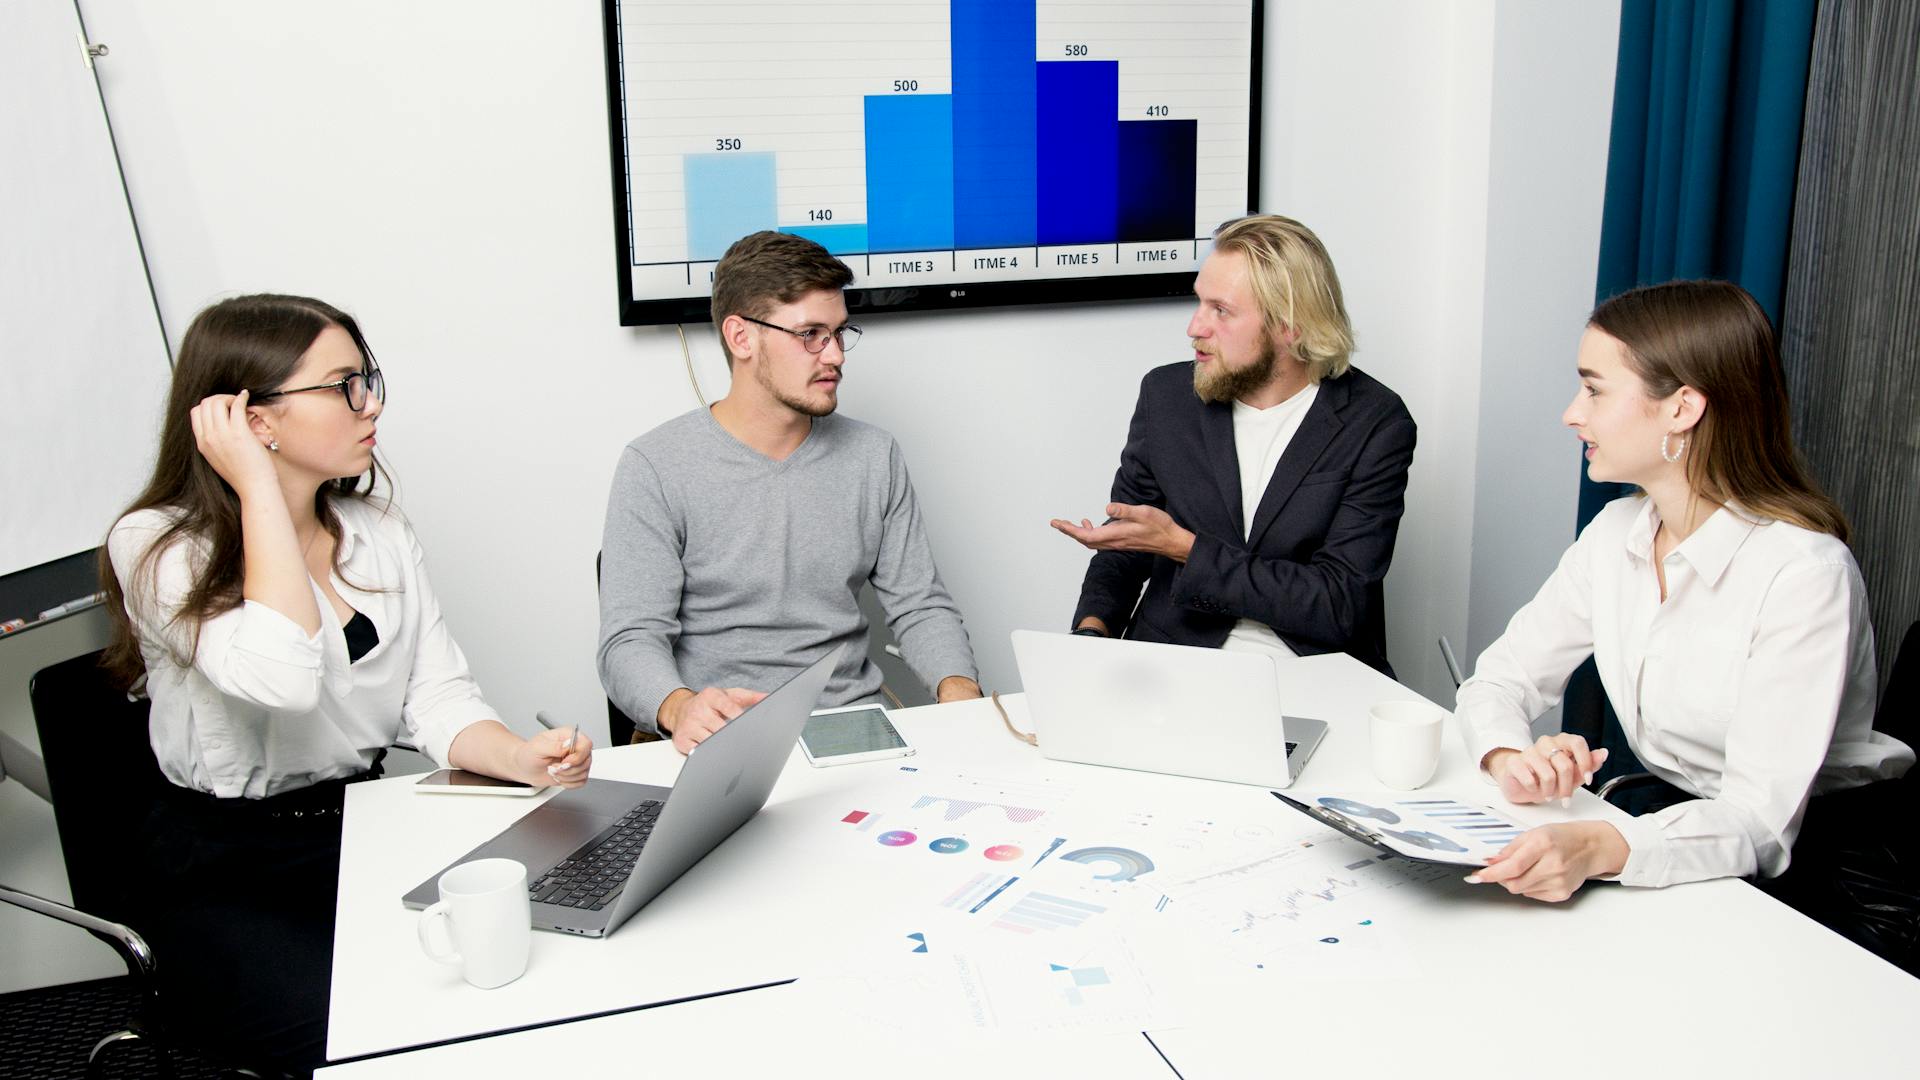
[1850, 338]
[1700, 184]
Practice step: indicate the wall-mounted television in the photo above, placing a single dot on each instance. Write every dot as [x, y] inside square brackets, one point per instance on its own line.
[955, 155]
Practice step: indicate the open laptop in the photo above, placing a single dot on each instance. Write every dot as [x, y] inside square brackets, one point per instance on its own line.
[597, 854]
[1176, 709]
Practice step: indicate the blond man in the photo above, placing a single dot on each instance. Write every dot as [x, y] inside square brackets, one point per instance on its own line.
[1262, 484]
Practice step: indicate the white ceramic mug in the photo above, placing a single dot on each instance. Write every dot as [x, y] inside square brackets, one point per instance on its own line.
[487, 921]
[1406, 742]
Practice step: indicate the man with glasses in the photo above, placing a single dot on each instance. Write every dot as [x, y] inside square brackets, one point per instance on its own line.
[738, 537]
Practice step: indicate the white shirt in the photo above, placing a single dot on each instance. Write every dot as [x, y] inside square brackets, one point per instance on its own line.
[1751, 686]
[1260, 438]
[263, 707]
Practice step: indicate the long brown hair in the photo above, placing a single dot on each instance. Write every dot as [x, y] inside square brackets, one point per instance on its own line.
[1713, 336]
[246, 343]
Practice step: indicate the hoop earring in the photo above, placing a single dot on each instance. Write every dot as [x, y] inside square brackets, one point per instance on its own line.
[1674, 457]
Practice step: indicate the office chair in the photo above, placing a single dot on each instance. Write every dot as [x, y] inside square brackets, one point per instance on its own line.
[100, 777]
[101, 774]
[1898, 714]
[621, 730]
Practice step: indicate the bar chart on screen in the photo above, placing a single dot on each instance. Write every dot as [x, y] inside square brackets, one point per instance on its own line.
[927, 143]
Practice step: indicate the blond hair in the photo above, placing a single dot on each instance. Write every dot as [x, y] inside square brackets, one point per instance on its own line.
[1296, 287]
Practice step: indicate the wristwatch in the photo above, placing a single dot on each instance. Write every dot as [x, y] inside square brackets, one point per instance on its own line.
[1087, 631]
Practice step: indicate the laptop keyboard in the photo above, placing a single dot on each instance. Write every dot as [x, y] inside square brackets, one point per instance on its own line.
[594, 874]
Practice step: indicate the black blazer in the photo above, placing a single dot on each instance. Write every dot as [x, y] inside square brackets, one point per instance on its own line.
[1322, 536]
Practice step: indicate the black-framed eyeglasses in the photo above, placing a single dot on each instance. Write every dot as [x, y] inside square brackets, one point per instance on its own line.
[354, 388]
[814, 338]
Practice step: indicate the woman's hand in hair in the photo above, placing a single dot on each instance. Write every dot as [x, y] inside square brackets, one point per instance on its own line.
[227, 440]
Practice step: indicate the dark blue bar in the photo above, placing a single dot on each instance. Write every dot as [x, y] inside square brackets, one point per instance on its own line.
[909, 172]
[993, 123]
[1078, 156]
[1159, 163]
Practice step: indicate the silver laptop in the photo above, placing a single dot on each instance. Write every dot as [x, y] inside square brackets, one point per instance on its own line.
[1176, 709]
[597, 854]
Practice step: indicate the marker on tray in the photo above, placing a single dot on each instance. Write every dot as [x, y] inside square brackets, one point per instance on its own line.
[72, 606]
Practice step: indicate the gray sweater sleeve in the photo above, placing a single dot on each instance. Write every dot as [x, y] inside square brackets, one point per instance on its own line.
[640, 581]
[920, 612]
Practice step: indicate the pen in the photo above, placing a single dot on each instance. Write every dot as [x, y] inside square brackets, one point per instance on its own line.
[72, 606]
[565, 749]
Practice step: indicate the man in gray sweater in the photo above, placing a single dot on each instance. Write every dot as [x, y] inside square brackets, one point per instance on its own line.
[738, 537]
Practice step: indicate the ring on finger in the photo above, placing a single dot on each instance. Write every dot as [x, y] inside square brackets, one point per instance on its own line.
[1556, 750]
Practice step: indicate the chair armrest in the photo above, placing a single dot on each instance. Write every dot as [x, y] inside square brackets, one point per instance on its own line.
[124, 939]
[1619, 783]
[24, 765]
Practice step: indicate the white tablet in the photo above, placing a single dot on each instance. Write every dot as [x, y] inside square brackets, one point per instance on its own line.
[854, 733]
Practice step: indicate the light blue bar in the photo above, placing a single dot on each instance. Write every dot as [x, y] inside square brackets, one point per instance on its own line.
[728, 196]
[837, 239]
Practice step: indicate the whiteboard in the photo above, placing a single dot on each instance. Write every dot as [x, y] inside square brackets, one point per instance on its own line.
[83, 358]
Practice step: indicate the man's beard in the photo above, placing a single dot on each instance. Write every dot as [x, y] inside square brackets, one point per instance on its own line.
[795, 402]
[1219, 383]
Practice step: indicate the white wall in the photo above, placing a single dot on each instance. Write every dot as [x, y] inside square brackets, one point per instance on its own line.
[441, 170]
[1545, 185]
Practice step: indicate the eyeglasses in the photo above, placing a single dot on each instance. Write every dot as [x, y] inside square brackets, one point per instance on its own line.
[814, 338]
[354, 388]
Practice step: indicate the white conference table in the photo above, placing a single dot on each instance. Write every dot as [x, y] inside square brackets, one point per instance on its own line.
[1711, 976]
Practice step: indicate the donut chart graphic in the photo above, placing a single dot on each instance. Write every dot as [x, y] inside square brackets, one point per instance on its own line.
[896, 838]
[1128, 863]
[1360, 810]
[1003, 852]
[948, 845]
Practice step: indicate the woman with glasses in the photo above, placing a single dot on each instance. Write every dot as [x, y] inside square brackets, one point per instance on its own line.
[282, 616]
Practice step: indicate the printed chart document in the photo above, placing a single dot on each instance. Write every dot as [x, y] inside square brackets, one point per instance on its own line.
[1412, 824]
[1028, 908]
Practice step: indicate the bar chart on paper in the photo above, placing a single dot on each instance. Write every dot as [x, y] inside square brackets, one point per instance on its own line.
[934, 142]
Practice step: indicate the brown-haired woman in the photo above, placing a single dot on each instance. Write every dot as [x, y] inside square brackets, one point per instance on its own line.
[283, 618]
[1729, 624]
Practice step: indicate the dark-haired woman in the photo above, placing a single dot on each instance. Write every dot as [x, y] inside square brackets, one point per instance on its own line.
[284, 620]
[1728, 621]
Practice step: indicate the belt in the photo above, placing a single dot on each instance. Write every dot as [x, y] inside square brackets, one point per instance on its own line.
[320, 801]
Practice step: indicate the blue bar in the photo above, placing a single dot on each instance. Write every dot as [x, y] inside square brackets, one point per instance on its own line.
[1159, 166]
[837, 239]
[909, 172]
[728, 196]
[993, 123]
[1078, 157]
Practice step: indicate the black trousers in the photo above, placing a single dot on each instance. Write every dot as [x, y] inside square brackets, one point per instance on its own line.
[238, 906]
[1855, 867]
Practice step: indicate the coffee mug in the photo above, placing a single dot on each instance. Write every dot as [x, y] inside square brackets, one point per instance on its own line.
[1406, 742]
[486, 921]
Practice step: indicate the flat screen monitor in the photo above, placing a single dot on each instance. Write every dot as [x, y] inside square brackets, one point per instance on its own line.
[954, 155]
